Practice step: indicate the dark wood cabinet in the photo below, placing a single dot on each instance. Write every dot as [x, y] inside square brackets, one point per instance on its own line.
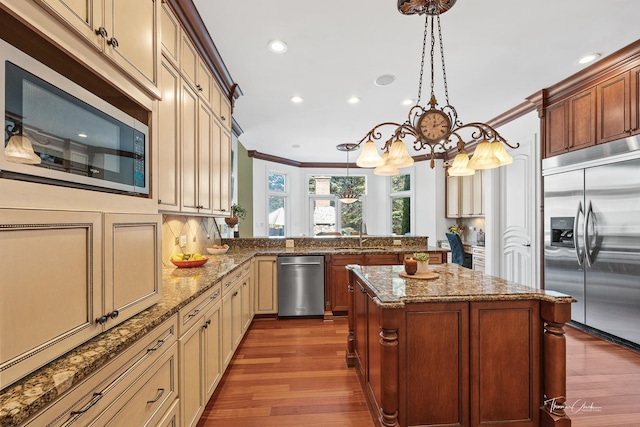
[634, 85]
[582, 120]
[382, 259]
[339, 284]
[614, 108]
[556, 129]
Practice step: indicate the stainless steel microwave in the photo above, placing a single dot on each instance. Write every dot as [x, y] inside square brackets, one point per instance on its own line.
[75, 138]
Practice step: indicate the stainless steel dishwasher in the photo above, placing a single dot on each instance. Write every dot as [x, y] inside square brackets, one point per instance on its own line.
[300, 286]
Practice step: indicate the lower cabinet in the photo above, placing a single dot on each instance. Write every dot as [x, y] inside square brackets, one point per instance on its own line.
[266, 284]
[455, 374]
[139, 386]
[340, 281]
[94, 271]
[200, 358]
[235, 315]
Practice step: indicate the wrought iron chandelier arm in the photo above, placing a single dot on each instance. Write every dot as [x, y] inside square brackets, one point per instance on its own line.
[375, 134]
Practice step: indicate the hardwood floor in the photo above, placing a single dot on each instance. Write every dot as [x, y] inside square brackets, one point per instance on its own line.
[292, 373]
[289, 373]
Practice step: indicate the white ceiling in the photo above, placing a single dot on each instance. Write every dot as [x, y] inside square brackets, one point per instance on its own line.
[497, 52]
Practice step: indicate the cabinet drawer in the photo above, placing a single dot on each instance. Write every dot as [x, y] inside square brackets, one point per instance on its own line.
[148, 398]
[188, 315]
[382, 259]
[346, 260]
[230, 280]
[86, 401]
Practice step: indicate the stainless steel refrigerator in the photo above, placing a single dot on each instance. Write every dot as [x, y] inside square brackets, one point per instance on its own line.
[592, 234]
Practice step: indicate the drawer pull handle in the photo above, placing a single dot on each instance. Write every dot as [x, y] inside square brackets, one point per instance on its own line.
[194, 314]
[155, 347]
[158, 396]
[214, 296]
[96, 397]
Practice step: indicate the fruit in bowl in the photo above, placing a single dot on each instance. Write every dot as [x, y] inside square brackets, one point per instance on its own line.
[187, 260]
[218, 249]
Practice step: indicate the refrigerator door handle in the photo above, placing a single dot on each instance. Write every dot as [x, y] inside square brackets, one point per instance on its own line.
[579, 253]
[587, 244]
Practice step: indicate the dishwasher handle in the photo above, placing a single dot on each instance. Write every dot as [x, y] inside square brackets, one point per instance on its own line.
[300, 263]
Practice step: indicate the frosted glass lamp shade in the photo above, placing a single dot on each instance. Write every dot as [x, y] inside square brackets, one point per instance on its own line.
[399, 156]
[369, 157]
[501, 153]
[483, 157]
[460, 166]
[387, 169]
[20, 150]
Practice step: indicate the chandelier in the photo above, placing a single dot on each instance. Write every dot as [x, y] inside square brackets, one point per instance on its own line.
[433, 129]
[349, 194]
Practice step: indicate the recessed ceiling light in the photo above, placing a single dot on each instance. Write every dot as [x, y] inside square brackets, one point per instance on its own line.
[82, 135]
[277, 46]
[588, 58]
[297, 99]
[295, 146]
[408, 102]
[353, 100]
[385, 80]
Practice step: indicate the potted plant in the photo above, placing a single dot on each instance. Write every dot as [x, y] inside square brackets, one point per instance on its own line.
[237, 213]
[423, 262]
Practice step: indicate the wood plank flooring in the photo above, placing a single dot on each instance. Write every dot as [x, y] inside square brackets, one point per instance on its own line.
[292, 373]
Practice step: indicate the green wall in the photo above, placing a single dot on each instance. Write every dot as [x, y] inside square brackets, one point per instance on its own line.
[244, 176]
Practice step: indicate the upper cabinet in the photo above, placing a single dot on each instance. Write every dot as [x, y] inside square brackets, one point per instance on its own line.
[604, 109]
[194, 142]
[126, 32]
[465, 196]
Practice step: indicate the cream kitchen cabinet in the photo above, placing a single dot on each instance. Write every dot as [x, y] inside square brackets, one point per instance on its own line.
[169, 158]
[82, 272]
[478, 258]
[200, 369]
[138, 385]
[234, 311]
[465, 196]
[266, 285]
[195, 70]
[126, 32]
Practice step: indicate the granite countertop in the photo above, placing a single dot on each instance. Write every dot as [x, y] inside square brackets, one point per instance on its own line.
[455, 283]
[180, 286]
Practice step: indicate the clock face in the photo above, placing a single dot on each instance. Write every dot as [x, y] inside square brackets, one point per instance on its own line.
[434, 125]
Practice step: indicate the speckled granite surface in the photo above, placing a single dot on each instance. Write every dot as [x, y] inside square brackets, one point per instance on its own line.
[179, 287]
[455, 283]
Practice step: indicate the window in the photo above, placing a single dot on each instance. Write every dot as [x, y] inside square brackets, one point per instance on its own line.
[401, 205]
[277, 203]
[328, 215]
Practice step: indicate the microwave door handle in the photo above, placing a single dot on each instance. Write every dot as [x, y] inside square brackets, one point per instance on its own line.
[587, 244]
[579, 253]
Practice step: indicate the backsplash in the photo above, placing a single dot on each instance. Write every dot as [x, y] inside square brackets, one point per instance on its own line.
[200, 233]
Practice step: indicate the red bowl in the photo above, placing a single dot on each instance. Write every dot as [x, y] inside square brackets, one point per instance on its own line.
[189, 264]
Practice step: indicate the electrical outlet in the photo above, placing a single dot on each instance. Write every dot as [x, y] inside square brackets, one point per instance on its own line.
[183, 241]
[177, 241]
[289, 243]
[397, 242]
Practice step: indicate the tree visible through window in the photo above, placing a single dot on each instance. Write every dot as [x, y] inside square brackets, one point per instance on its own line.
[277, 204]
[329, 216]
[401, 204]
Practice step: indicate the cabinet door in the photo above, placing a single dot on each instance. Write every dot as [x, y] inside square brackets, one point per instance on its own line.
[466, 195]
[189, 122]
[192, 364]
[613, 107]
[225, 172]
[84, 16]
[505, 334]
[205, 159]
[170, 35]
[132, 264]
[340, 280]
[635, 100]
[48, 306]
[188, 60]
[225, 113]
[169, 140]
[205, 81]
[477, 202]
[132, 40]
[236, 314]
[453, 196]
[212, 354]
[246, 303]
[360, 328]
[227, 329]
[556, 129]
[267, 285]
[582, 119]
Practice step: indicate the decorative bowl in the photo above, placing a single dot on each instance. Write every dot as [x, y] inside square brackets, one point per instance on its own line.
[217, 251]
[189, 264]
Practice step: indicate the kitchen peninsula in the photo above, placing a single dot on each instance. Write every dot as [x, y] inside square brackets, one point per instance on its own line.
[462, 349]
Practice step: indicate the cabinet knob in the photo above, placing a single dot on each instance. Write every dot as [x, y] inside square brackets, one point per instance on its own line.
[199, 87]
[223, 118]
[102, 320]
[113, 314]
[113, 42]
[102, 32]
[235, 294]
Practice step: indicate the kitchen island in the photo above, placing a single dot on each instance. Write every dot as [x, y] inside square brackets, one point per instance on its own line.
[464, 348]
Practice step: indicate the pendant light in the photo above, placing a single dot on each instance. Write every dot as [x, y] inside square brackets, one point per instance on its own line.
[349, 194]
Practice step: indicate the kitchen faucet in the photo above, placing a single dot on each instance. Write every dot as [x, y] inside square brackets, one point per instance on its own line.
[363, 230]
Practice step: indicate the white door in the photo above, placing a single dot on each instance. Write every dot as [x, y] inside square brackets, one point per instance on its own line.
[518, 214]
